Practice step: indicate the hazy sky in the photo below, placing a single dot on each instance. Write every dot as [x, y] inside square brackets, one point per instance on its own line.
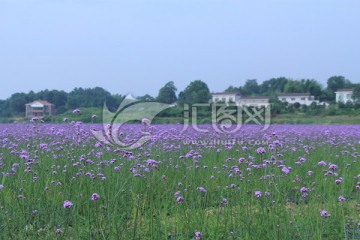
[136, 46]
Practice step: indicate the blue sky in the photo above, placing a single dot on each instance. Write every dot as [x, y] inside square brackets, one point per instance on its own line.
[138, 46]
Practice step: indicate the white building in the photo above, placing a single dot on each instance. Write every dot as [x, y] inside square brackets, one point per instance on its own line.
[344, 95]
[225, 97]
[239, 100]
[39, 108]
[256, 100]
[302, 98]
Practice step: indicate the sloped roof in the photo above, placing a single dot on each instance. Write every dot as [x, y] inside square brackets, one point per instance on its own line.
[42, 102]
[345, 90]
[256, 97]
[294, 94]
[226, 93]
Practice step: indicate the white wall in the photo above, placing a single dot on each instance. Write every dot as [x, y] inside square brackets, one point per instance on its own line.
[344, 96]
[303, 100]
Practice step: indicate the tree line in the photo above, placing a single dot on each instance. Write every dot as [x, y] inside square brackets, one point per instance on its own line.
[196, 92]
[63, 101]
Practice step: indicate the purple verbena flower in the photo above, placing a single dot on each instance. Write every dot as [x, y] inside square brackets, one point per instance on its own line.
[342, 199]
[197, 235]
[261, 150]
[201, 189]
[145, 121]
[258, 194]
[67, 204]
[322, 163]
[324, 213]
[338, 181]
[224, 202]
[304, 190]
[151, 162]
[95, 196]
[333, 166]
[285, 170]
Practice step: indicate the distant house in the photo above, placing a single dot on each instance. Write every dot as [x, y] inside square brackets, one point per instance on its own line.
[239, 100]
[225, 97]
[344, 95]
[39, 109]
[254, 100]
[302, 98]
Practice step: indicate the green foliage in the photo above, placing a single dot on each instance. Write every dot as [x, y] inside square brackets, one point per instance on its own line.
[336, 82]
[196, 92]
[296, 105]
[251, 87]
[278, 106]
[171, 112]
[78, 98]
[293, 86]
[232, 89]
[167, 94]
[88, 97]
[58, 98]
[356, 93]
[311, 86]
[146, 98]
[17, 103]
[145, 207]
[273, 86]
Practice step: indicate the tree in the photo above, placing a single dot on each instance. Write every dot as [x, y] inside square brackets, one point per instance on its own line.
[251, 87]
[232, 89]
[196, 92]
[356, 93]
[273, 86]
[327, 95]
[293, 86]
[313, 105]
[113, 101]
[56, 97]
[17, 102]
[278, 106]
[146, 98]
[297, 105]
[336, 82]
[5, 108]
[88, 97]
[167, 94]
[59, 98]
[312, 86]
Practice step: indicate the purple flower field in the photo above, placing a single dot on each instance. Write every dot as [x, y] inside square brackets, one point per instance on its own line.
[289, 182]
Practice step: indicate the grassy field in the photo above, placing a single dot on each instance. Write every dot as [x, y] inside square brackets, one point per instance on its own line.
[306, 119]
[290, 182]
[344, 116]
